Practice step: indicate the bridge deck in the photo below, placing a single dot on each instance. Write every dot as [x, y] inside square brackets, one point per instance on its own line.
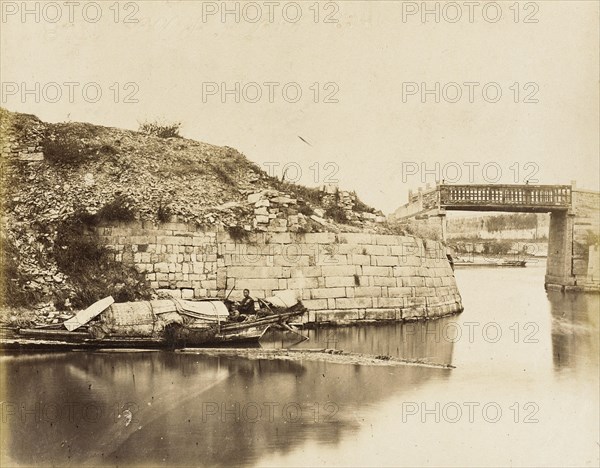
[526, 198]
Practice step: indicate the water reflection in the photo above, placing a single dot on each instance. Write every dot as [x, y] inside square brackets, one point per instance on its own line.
[431, 340]
[184, 410]
[155, 408]
[574, 329]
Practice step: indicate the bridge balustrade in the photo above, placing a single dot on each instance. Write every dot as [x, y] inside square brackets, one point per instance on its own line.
[496, 195]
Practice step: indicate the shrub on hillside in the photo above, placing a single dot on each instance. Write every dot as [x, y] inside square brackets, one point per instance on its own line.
[305, 209]
[160, 129]
[63, 149]
[164, 213]
[120, 209]
[238, 233]
[336, 213]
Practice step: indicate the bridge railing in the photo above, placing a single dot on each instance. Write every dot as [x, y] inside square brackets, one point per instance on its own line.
[502, 195]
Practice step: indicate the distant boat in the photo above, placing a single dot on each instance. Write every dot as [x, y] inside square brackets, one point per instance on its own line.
[513, 263]
[493, 263]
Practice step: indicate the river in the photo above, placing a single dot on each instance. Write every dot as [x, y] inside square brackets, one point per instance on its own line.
[524, 392]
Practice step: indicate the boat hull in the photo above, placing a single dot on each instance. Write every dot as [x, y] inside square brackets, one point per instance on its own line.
[174, 337]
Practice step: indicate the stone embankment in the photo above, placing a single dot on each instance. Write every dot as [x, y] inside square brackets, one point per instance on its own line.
[340, 277]
[194, 220]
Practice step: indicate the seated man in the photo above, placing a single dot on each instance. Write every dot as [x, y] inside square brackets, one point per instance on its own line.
[246, 306]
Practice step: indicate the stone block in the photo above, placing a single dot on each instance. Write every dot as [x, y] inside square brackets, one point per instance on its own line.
[319, 238]
[388, 281]
[336, 316]
[354, 303]
[187, 293]
[222, 278]
[424, 292]
[391, 302]
[296, 261]
[331, 259]
[409, 261]
[339, 270]
[380, 314]
[357, 259]
[324, 293]
[367, 291]
[386, 260]
[416, 281]
[254, 271]
[180, 227]
[403, 271]
[302, 283]
[374, 250]
[385, 239]
[256, 284]
[403, 249]
[279, 238]
[348, 249]
[315, 304]
[355, 238]
[336, 281]
[307, 272]
[412, 313]
[255, 197]
[415, 301]
[376, 271]
[400, 292]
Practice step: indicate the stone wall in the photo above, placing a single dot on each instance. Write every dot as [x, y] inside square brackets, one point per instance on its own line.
[586, 232]
[571, 240]
[24, 143]
[341, 278]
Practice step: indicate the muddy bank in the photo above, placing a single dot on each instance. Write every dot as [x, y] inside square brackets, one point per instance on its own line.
[320, 354]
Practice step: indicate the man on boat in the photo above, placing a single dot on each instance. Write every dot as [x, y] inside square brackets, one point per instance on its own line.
[246, 306]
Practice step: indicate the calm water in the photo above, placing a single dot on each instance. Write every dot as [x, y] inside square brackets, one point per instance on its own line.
[525, 392]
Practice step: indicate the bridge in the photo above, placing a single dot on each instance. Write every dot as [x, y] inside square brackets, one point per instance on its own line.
[573, 254]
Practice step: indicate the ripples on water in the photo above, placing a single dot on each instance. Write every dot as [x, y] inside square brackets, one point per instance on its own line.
[524, 393]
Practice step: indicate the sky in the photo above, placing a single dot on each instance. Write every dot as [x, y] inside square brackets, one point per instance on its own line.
[378, 96]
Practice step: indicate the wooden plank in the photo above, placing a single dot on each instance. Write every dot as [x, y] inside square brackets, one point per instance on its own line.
[45, 333]
[83, 317]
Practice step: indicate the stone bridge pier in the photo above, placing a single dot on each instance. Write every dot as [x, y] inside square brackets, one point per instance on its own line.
[573, 244]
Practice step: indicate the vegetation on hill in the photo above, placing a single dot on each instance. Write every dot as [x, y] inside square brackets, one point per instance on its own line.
[92, 174]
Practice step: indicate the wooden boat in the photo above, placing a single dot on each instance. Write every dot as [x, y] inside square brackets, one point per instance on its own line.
[513, 263]
[169, 323]
[248, 331]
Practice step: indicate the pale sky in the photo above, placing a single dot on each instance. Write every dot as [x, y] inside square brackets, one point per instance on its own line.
[374, 134]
